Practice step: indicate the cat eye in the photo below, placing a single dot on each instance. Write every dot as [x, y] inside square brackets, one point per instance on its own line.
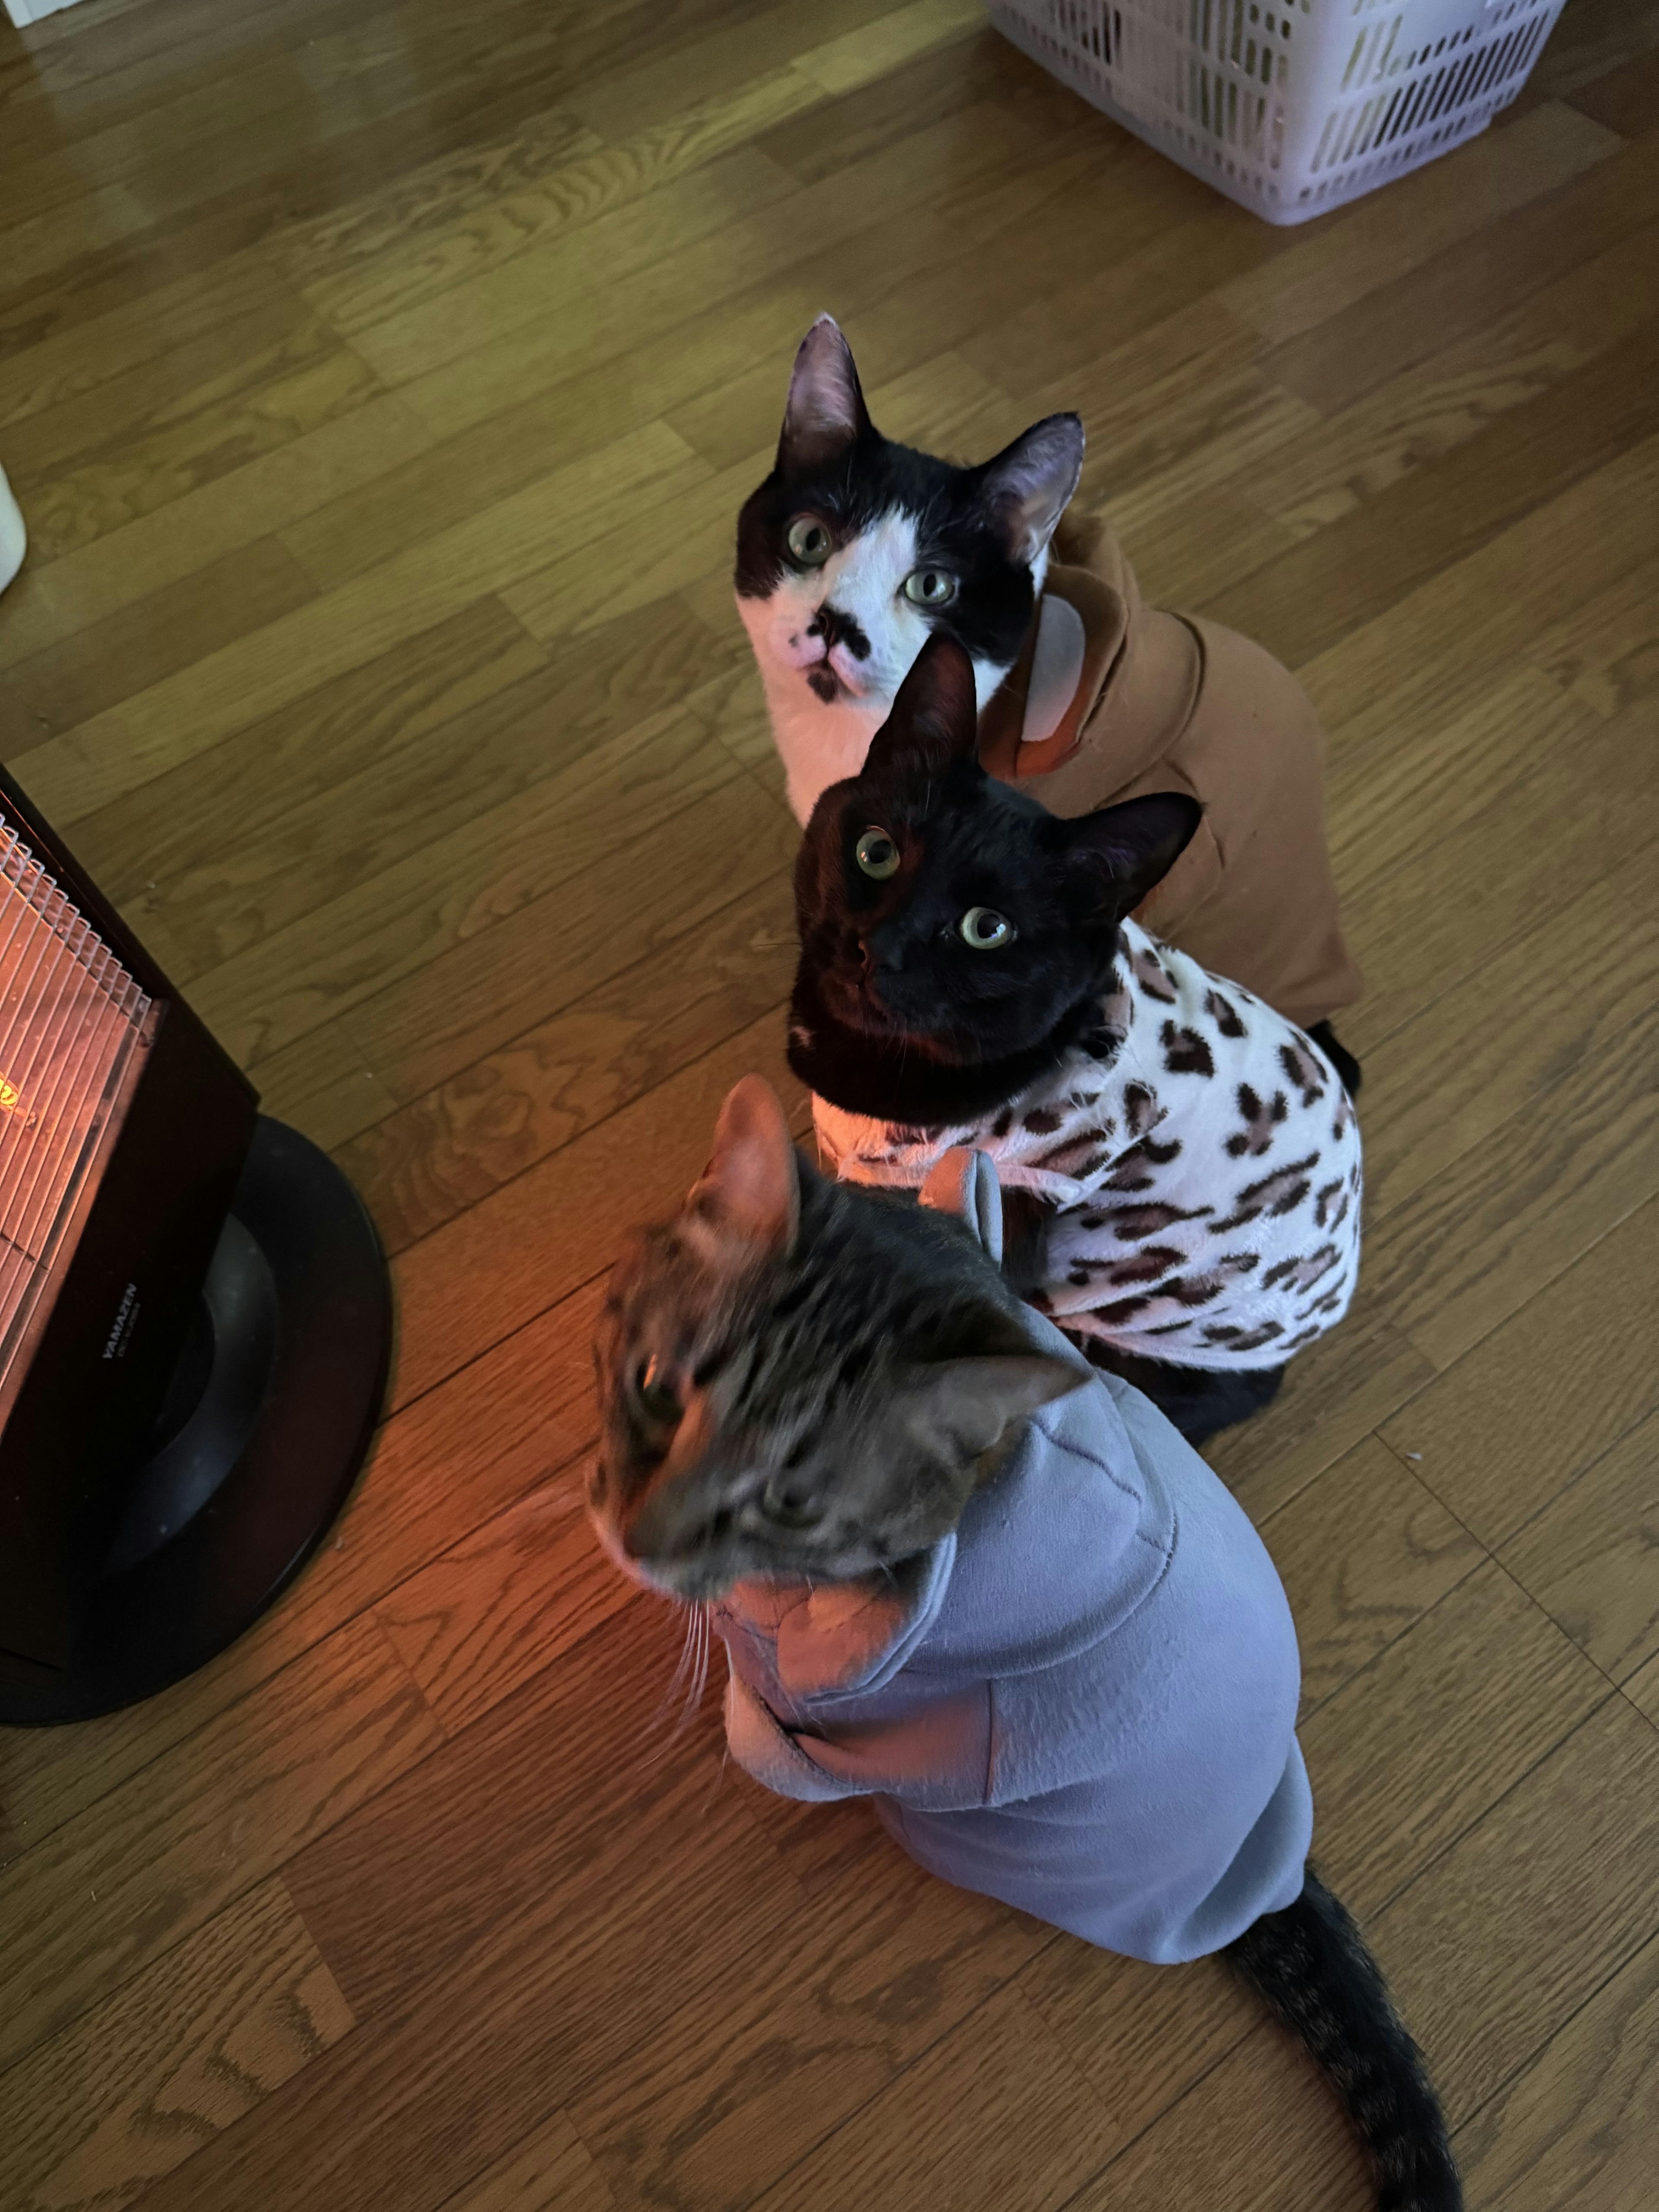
[877, 855]
[809, 541]
[985, 929]
[930, 588]
[658, 1397]
[789, 1507]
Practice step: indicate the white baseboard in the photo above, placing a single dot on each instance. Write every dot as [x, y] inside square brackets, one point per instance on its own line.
[31, 11]
[13, 539]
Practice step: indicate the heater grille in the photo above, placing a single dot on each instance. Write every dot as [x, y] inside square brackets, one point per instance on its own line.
[71, 1021]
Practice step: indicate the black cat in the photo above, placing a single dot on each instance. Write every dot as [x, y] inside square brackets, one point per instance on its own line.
[1187, 1159]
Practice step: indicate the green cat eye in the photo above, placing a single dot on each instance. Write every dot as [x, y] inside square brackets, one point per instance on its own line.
[788, 1509]
[985, 929]
[809, 541]
[877, 855]
[658, 1398]
[930, 588]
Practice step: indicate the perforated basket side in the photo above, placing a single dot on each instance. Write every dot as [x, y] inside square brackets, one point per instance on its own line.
[1290, 107]
[1415, 82]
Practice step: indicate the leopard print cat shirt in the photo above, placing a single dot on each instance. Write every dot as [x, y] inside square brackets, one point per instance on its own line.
[1203, 1158]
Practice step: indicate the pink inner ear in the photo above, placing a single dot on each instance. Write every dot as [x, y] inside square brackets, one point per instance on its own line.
[824, 405]
[751, 1185]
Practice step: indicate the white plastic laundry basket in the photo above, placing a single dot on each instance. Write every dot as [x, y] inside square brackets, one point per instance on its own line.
[1289, 106]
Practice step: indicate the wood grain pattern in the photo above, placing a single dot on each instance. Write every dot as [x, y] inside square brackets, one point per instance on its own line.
[551, 2172]
[340, 350]
[1363, 1552]
[52, 601]
[127, 2093]
[1426, 782]
[1575, 2125]
[1262, 2107]
[543, 1234]
[1491, 1685]
[1443, 401]
[1513, 1421]
[1333, 1397]
[140, 645]
[1425, 521]
[125, 747]
[471, 880]
[452, 1147]
[461, 1454]
[91, 1905]
[983, 2115]
[1329, 268]
[1569, 1849]
[531, 2007]
[1467, 286]
[1642, 1691]
[455, 1897]
[1143, 2035]
[697, 339]
[1567, 1169]
[1452, 1076]
[504, 1603]
[884, 1967]
[1435, 652]
[1606, 652]
[1576, 813]
[1588, 1557]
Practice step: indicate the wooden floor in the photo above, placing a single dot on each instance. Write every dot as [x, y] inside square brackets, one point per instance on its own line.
[380, 384]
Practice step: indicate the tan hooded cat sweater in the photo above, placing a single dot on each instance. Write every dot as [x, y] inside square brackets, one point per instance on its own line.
[1111, 699]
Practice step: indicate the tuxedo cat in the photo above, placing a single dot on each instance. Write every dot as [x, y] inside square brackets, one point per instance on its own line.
[942, 1554]
[968, 976]
[855, 551]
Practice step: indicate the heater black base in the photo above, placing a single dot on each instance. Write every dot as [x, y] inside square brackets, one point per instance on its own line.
[267, 1421]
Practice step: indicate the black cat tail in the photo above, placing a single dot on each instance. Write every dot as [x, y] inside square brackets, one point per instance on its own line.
[1349, 1073]
[1311, 1965]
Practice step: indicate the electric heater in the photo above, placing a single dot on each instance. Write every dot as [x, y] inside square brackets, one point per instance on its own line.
[194, 1314]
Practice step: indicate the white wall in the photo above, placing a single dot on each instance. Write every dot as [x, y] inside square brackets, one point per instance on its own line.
[31, 11]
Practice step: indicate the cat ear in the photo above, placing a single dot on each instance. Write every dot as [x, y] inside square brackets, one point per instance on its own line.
[1029, 483]
[966, 1404]
[963, 1182]
[749, 1192]
[935, 714]
[1135, 844]
[825, 410]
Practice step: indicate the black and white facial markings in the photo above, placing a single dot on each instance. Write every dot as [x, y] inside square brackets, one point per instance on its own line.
[856, 549]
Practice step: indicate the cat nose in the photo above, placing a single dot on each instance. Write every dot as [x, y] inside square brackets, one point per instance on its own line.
[835, 628]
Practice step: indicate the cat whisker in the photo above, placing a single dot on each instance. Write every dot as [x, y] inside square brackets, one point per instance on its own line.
[679, 1674]
[690, 1680]
[719, 1776]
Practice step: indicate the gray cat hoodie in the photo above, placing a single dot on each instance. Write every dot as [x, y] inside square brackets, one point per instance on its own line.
[1082, 1701]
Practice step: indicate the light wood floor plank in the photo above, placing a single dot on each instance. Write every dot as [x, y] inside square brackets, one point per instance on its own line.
[1445, 1721]
[1588, 1557]
[128, 2093]
[1577, 2126]
[1538, 1906]
[94, 1903]
[1021, 2117]
[1511, 1423]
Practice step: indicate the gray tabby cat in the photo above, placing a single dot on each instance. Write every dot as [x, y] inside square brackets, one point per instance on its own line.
[941, 1552]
